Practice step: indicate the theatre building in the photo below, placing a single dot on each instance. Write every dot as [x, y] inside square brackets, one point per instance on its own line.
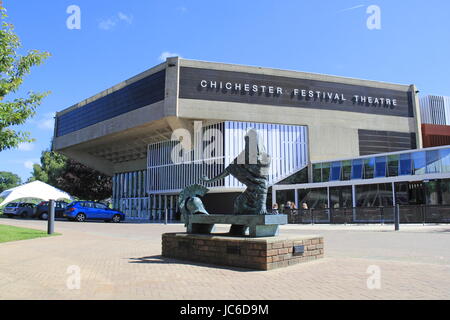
[335, 142]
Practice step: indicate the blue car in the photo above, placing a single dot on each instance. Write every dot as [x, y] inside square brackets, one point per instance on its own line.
[82, 210]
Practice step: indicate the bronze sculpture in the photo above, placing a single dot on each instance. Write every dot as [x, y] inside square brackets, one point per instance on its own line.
[250, 168]
[190, 203]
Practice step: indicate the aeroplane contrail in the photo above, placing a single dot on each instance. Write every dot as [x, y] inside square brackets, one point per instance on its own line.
[352, 8]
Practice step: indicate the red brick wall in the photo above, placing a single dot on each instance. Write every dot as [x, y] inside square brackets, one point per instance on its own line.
[435, 135]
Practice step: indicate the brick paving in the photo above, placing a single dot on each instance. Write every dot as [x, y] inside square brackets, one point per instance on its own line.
[124, 262]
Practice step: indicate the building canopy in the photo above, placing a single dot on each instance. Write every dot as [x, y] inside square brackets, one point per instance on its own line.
[35, 189]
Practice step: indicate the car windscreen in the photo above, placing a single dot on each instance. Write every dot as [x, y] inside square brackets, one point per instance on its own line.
[62, 204]
[11, 205]
[71, 204]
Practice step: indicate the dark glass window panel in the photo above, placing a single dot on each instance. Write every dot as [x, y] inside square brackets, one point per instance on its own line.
[416, 193]
[445, 160]
[283, 196]
[374, 195]
[380, 167]
[433, 192]
[402, 193]
[369, 168]
[393, 165]
[341, 197]
[445, 191]
[335, 171]
[303, 197]
[300, 177]
[357, 169]
[134, 96]
[405, 164]
[326, 172]
[314, 198]
[317, 173]
[434, 164]
[346, 170]
[419, 162]
[438, 192]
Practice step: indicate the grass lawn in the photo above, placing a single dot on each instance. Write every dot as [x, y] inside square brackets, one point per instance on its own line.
[10, 233]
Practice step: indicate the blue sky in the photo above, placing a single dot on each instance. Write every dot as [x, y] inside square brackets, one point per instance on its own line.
[119, 39]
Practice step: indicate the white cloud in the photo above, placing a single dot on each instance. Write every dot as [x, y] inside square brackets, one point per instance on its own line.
[26, 147]
[166, 54]
[47, 122]
[107, 24]
[127, 18]
[111, 23]
[29, 163]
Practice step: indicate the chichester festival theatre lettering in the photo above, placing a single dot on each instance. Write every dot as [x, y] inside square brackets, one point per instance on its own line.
[306, 94]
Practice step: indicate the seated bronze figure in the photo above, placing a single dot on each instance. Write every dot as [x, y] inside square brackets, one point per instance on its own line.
[251, 168]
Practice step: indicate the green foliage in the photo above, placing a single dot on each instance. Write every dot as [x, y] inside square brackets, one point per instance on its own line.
[50, 169]
[9, 180]
[72, 177]
[13, 68]
[84, 182]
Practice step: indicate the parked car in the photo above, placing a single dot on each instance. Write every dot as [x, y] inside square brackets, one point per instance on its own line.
[43, 209]
[19, 209]
[83, 210]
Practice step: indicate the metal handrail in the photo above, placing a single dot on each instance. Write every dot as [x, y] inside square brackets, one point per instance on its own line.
[384, 215]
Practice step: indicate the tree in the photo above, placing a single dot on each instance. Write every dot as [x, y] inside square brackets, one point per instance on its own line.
[72, 177]
[9, 180]
[50, 169]
[85, 183]
[13, 68]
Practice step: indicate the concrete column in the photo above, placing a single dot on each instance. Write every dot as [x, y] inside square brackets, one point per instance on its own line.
[172, 86]
[416, 107]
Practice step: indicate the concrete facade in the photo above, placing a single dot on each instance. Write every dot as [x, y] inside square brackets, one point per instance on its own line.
[120, 144]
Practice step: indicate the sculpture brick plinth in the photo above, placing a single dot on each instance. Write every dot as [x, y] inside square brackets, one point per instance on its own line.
[245, 252]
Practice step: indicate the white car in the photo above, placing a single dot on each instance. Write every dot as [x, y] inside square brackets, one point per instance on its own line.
[21, 209]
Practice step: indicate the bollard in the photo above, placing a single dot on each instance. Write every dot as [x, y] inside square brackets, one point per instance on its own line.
[51, 217]
[397, 218]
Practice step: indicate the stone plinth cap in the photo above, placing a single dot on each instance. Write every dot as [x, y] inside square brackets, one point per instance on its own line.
[225, 237]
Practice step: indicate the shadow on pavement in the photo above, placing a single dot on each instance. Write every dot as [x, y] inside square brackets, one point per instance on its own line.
[162, 260]
[444, 230]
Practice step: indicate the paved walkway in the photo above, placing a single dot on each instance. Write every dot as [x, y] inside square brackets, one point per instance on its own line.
[122, 261]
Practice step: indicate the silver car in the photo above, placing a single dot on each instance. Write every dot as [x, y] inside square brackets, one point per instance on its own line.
[19, 209]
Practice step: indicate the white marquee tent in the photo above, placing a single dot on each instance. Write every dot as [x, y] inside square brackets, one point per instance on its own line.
[35, 189]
